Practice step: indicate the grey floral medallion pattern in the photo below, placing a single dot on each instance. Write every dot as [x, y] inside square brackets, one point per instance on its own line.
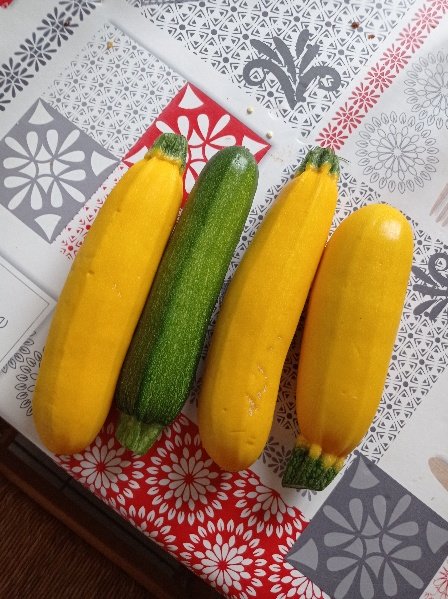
[397, 152]
[434, 283]
[26, 380]
[48, 169]
[229, 35]
[368, 539]
[114, 93]
[427, 89]
[37, 50]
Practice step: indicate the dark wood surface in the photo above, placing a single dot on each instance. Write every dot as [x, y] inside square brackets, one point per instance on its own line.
[56, 493]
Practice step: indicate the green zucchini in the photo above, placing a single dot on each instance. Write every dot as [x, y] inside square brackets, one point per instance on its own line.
[161, 362]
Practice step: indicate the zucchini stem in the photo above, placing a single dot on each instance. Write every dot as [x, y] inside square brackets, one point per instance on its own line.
[317, 158]
[136, 435]
[172, 147]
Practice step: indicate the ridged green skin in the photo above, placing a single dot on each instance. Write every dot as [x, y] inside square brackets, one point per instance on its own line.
[162, 359]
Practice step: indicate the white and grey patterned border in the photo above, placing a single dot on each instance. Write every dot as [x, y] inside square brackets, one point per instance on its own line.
[39, 48]
[296, 58]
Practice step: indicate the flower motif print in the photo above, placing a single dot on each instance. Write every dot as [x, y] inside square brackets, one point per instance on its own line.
[207, 127]
[185, 484]
[433, 283]
[427, 89]
[348, 117]
[57, 27]
[35, 52]
[331, 137]
[380, 77]
[228, 557]
[395, 59]
[13, 77]
[44, 169]
[397, 152]
[427, 18]
[411, 38]
[48, 168]
[364, 97]
[289, 583]
[205, 138]
[441, 583]
[106, 468]
[26, 381]
[375, 544]
[371, 538]
[39, 49]
[264, 508]
[79, 8]
[440, 5]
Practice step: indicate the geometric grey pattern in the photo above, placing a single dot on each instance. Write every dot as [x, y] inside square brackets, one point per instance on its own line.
[48, 169]
[37, 50]
[420, 353]
[228, 35]
[114, 93]
[371, 539]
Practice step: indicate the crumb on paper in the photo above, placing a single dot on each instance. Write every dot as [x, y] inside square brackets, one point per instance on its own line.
[355, 25]
[269, 134]
[110, 44]
[371, 36]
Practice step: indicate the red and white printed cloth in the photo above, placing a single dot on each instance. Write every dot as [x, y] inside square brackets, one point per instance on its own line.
[230, 529]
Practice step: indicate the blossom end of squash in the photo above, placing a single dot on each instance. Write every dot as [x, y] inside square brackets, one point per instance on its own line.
[136, 435]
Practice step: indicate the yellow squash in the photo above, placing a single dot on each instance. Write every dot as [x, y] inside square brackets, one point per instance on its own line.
[353, 316]
[260, 313]
[103, 296]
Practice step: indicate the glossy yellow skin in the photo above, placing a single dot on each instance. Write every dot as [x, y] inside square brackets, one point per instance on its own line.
[258, 318]
[352, 321]
[101, 302]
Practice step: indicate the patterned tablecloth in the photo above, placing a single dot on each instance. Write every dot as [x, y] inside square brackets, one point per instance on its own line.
[85, 87]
